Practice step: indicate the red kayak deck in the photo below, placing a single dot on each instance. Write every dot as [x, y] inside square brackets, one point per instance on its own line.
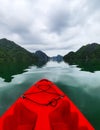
[44, 107]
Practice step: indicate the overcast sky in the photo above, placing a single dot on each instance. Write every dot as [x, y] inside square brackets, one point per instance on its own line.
[54, 26]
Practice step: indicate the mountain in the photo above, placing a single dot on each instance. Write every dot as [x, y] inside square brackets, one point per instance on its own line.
[57, 58]
[87, 57]
[41, 57]
[89, 52]
[12, 53]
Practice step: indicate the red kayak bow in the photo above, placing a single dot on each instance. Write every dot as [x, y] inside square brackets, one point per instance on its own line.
[44, 107]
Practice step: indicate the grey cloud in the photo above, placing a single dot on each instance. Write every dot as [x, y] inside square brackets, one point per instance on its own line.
[60, 28]
[94, 4]
[20, 29]
[28, 38]
[59, 21]
[65, 47]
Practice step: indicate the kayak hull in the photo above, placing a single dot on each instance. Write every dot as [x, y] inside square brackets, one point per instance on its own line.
[44, 107]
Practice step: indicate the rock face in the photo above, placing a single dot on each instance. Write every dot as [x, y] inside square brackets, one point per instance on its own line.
[86, 53]
[13, 53]
[57, 58]
[41, 57]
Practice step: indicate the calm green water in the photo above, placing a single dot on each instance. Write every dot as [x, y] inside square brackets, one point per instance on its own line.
[82, 87]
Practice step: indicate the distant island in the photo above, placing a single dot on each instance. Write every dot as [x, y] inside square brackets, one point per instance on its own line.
[57, 58]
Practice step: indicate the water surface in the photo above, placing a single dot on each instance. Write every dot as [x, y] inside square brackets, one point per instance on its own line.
[82, 87]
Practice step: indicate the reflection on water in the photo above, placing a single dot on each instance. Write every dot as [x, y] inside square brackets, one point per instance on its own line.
[82, 87]
[90, 66]
[40, 63]
[7, 70]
